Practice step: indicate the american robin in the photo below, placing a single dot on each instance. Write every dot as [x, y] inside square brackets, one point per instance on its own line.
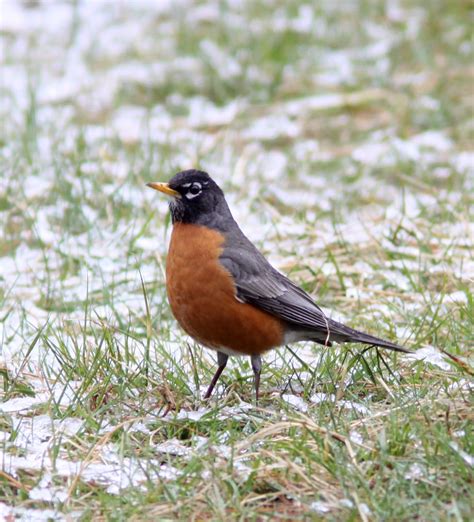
[225, 294]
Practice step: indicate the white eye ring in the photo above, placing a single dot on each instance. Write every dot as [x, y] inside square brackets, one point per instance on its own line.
[194, 191]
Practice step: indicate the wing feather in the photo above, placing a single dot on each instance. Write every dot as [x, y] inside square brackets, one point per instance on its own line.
[259, 284]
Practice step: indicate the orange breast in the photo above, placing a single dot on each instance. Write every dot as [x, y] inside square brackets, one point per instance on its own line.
[203, 299]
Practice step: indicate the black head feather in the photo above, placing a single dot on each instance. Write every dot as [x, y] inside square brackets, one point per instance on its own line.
[201, 200]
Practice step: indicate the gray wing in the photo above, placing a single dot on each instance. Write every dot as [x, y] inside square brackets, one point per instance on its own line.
[260, 285]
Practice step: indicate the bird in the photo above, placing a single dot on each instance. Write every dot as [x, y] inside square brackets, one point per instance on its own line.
[225, 294]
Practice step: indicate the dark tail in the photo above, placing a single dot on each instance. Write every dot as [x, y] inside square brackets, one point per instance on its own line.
[344, 334]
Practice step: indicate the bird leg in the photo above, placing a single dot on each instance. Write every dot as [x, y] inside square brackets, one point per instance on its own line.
[222, 359]
[256, 361]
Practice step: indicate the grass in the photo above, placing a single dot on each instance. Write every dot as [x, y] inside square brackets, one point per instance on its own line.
[364, 198]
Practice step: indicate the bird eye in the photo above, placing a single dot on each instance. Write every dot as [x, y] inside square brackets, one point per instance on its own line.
[194, 190]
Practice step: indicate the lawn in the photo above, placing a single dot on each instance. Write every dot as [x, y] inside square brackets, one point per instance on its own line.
[342, 135]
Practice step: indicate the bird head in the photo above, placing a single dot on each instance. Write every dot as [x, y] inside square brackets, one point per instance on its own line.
[196, 198]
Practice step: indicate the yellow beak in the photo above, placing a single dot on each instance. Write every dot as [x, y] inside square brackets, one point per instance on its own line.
[165, 188]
